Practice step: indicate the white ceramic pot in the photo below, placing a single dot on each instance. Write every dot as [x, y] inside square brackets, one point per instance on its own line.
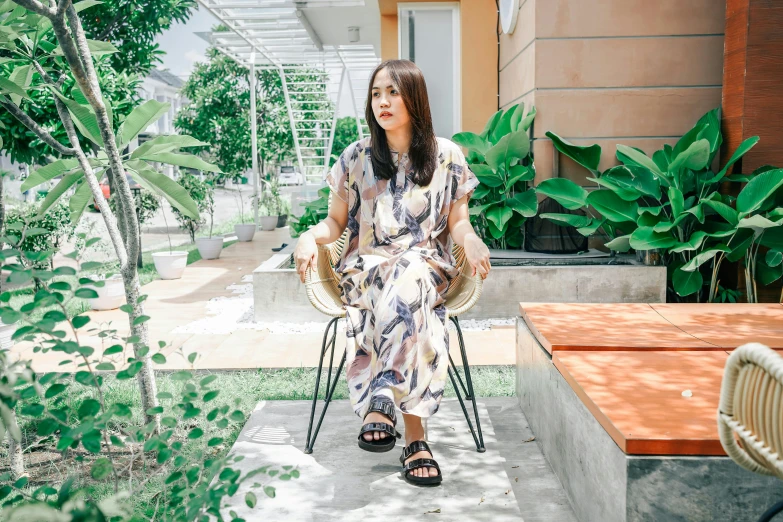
[170, 265]
[6, 331]
[245, 232]
[209, 248]
[110, 296]
[268, 223]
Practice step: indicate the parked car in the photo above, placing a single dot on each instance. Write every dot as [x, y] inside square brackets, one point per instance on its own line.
[289, 176]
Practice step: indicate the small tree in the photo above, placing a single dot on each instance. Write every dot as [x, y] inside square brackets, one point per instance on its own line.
[200, 192]
[84, 108]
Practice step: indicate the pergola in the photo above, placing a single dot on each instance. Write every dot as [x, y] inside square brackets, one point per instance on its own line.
[278, 35]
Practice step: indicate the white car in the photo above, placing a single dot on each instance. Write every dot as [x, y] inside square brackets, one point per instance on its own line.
[289, 176]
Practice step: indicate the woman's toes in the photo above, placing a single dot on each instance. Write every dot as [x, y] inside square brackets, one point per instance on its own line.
[368, 437]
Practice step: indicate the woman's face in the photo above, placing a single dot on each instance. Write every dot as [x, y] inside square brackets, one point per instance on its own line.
[387, 105]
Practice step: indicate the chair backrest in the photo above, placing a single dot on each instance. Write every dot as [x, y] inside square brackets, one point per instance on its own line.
[750, 415]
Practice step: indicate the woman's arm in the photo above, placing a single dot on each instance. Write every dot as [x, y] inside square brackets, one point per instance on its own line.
[327, 231]
[462, 233]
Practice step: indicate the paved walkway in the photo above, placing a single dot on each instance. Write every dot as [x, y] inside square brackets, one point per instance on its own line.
[511, 481]
[207, 286]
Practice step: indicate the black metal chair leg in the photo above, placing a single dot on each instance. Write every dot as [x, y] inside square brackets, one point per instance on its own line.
[332, 342]
[472, 395]
[459, 379]
[329, 395]
[771, 512]
[308, 445]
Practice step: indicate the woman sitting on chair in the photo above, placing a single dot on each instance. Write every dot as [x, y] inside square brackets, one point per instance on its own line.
[403, 194]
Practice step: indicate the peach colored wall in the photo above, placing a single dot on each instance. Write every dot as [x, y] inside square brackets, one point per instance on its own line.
[478, 19]
[612, 71]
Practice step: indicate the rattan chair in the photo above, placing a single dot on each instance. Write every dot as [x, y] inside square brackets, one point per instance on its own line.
[324, 293]
[750, 415]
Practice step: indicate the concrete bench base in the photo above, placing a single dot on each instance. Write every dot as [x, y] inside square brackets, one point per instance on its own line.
[603, 483]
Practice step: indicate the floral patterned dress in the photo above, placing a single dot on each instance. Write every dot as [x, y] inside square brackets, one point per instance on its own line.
[395, 269]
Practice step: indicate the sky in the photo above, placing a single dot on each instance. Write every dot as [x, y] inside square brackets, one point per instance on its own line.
[184, 48]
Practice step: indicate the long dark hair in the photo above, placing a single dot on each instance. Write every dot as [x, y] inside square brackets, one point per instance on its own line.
[423, 153]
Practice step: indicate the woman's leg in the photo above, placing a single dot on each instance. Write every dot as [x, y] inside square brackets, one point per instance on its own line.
[414, 430]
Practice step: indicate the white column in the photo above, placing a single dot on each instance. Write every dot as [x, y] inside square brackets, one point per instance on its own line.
[253, 135]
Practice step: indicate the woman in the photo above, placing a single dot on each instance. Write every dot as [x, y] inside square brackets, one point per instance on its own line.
[403, 194]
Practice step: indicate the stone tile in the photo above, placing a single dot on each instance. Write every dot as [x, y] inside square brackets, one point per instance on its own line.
[341, 482]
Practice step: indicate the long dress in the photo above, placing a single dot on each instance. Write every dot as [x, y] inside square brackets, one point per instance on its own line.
[395, 269]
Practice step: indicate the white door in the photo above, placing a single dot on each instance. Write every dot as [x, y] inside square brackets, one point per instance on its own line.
[429, 37]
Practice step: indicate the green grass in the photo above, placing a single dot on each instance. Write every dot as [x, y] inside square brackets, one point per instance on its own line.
[241, 390]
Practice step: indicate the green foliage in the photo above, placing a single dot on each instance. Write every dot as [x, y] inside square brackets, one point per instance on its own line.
[315, 212]
[74, 413]
[219, 113]
[671, 202]
[269, 202]
[202, 193]
[147, 205]
[345, 133]
[44, 235]
[501, 159]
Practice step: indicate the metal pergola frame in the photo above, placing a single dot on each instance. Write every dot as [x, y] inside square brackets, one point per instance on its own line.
[276, 35]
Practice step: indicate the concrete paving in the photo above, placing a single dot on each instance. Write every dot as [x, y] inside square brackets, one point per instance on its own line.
[340, 482]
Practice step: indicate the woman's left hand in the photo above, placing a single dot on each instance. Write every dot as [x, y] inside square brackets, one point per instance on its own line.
[478, 255]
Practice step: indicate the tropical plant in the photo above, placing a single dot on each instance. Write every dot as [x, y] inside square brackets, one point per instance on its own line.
[147, 205]
[270, 203]
[314, 212]
[669, 201]
[77, 422]
[26, 26]
[201, 193]
[501, 159]
[345, 133]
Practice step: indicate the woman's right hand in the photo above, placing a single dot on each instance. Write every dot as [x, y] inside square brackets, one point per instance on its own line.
[305, 255]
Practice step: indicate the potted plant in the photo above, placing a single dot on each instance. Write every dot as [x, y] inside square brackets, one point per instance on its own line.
[210, 247]
[285, 211]
[171, 264]
[244, 231]
[111, 294]
[268, 217]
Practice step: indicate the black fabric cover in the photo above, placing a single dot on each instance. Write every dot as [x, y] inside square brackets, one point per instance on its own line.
[547, 237]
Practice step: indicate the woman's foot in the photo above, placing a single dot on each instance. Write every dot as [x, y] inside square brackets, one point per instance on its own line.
[375, 416]
[378, 433]
[414, 430]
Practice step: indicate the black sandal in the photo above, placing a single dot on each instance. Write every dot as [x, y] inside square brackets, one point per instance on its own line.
[415, 447]
[385, 407]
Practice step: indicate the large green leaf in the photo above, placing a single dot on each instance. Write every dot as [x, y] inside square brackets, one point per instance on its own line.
[758, 223]
[688, 139]
[711, 132]
[524, 203]
[741, 244]
[568, 220]
[527, 121]
[165, 186]
[695, 241]
[643, 161]
[636, 178]
[490, 126]
[723, 210]
[9, 87]
[499, 216]
[620, 244]
[97, 48]
[590, 229]
[564, 191]
[181, 159]
[21, 76]
[168, 143]
[139, 119]
[56, 193]
[612, 207]
[588, 157]
[743, 148]
[677, 201]
[84, 118]
[774, 258]
[694, 157]
[511, 146]
[503, 127]
[79, 201]
[486, 175]
[48, 172]
[516, 118]
[686, 283]
[703, 257]
[758, 190]
[645, 238]
[519, 173]
[766, 274]
[628, 194]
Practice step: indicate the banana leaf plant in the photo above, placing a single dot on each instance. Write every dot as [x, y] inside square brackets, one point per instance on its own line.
[669, 201]
[501, 159]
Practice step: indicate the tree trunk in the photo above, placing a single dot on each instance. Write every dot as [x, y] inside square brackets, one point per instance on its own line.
[15, 454]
